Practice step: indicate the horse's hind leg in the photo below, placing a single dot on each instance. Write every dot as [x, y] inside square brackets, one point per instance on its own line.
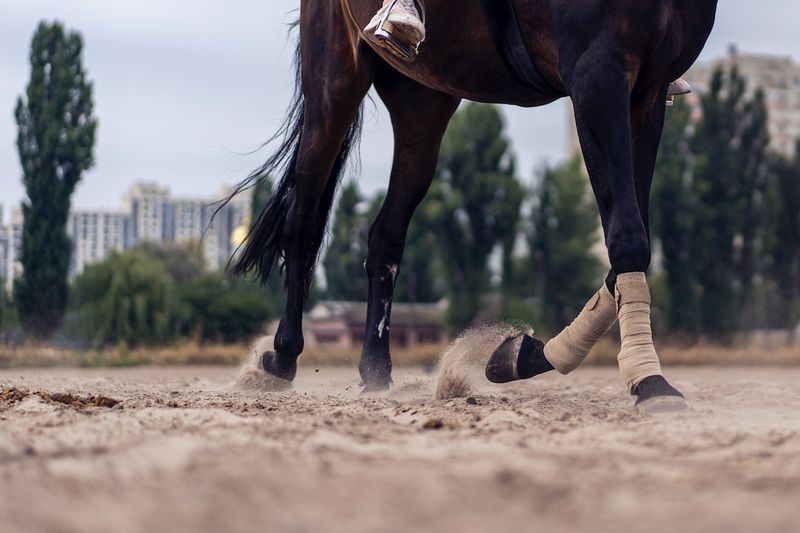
[600, 90]
[335, 76]
[419, 118]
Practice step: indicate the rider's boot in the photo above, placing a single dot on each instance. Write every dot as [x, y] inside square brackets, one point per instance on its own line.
[678, 87]
[398, 27]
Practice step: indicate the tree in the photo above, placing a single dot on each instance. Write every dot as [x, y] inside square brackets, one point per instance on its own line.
[730, 148]
[674, 212]
[56, 132]
[783, 239]
[710, 210]
[183, 261]
[420, 278]
[564, 228]
[130, 297]
[473, 206]
[347, 250]
[222, 309]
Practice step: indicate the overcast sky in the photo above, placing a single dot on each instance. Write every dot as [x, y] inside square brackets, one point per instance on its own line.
[182, 88]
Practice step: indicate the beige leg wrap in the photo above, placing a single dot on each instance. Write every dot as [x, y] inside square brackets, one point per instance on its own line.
[637, 357]
[569, 349]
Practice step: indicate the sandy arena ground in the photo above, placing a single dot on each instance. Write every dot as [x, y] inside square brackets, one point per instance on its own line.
[183, 452]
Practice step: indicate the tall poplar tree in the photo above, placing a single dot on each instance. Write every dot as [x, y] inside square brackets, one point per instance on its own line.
[563, 230]
[55, 140]
[474, 205]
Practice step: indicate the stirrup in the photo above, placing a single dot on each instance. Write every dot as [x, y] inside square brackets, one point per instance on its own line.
[384, 36]
[678, 87]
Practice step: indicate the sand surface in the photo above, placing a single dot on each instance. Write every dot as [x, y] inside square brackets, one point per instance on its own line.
[184, 452]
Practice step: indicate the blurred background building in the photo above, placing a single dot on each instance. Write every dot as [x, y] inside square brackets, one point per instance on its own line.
[777, 76]
[10, 242]
[149, 215]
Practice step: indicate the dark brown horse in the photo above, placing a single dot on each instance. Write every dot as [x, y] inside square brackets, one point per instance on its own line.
[614, 58]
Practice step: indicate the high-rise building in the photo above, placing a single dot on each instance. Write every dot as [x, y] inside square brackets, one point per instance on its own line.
[95, 234]
[146, 202]
[10, 243]
[777, 76]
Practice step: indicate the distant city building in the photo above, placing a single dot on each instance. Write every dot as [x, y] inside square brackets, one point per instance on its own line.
[95, 234]
[777, 76]
[150, 215]
[10, 244]
[147, 204]
[337, 323]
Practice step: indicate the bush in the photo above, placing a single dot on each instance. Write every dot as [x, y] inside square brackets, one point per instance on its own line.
[127, 298]
[218, 309]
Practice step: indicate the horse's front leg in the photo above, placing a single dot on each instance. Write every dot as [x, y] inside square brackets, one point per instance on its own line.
[419, 117]
[619, 143]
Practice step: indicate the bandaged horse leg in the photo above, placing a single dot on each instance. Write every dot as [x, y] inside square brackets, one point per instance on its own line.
[524, 357]
[638, 361]
[620, 131]
[570, 348]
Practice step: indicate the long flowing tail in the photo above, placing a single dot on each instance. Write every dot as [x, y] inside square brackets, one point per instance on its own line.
[264, 247]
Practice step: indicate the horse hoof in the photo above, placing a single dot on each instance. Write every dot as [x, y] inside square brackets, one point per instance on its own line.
[655, 395]
[280, 367]
[376, 386]
[504, 364]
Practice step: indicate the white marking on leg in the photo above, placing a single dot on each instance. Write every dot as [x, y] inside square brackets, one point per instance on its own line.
[393, 271]
[382, 323]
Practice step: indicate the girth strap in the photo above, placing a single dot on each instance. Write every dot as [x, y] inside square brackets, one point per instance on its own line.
[501, 16]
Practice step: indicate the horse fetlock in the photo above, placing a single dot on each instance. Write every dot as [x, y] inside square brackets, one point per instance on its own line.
[289, 343]
[375, 369]
[570, 348]
[637, 357]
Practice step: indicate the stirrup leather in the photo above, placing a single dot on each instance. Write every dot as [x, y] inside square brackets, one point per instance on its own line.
[385, 35]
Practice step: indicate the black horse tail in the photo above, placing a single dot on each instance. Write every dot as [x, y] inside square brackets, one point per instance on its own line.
[264, 247]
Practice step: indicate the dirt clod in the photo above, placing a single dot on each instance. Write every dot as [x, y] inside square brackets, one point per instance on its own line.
[433, 423]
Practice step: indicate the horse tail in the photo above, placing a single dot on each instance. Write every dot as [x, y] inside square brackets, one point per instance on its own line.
[264, 247]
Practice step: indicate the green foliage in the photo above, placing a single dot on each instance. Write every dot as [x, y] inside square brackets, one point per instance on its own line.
[345, 255]
[183, 261]
[564, 228]
[215, 308]
[155, 295]
[673, 213]
[782, 240]
[128, 298]
[473, 206]
[709, 207]
[420, 278]
[56, 132]
[8, 314]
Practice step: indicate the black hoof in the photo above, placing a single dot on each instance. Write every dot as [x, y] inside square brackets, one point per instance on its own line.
[517, 358]
[372, 387]
[655, 395]
[280, 367]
